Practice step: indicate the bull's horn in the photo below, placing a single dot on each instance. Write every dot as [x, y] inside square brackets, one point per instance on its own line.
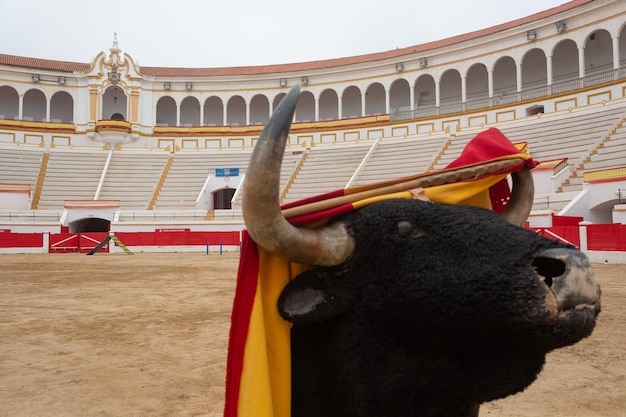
[328, 246]
[521, 200]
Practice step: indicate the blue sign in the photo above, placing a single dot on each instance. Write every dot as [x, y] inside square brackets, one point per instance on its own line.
[227, 172]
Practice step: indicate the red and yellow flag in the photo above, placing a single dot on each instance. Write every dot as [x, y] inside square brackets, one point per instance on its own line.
[258, 371]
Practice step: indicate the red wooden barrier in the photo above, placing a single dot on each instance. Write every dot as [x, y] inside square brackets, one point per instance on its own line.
[178, 238]
[566, 234]
[600, 237]
[21, 240]
[606, 237]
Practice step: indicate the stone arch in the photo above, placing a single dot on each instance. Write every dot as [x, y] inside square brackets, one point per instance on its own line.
[351, 102]
[259, 109]
[329, 105]
[34, 105]
[450, 91]
[305, 109]
[9, 103]
[375, 99]
[166, 111]
[190, 111]
[213, 111]
[236, 111]
[564, 61]
[477, 85]
[598, 51]
[61, 107]
[399, 96]
[534, 70]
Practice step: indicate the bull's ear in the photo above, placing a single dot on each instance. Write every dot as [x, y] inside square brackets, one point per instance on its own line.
[311, 299]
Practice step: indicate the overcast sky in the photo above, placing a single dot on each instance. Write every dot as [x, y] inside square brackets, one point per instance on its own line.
[211, 33]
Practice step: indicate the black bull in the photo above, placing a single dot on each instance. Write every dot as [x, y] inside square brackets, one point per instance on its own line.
[415, 308]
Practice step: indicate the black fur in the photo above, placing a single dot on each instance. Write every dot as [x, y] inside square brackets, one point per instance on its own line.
[438, 310]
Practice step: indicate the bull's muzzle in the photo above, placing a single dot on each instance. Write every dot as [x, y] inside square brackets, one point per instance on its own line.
[569, 275]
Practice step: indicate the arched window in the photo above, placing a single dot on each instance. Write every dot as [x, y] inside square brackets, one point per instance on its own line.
[236, 111]
[166, 112]
[375, 100]
[9, 103]
[564, 61]
[477, 87]
[61, 107]
[34, 105]
[259, 109]
[329, 105]
[190, 112]
[425, 99]
[351, 102]
[114, 100]
[450, 91]
[504, 81]
[399, 96]
[305, 109]
[534, 74]
[213, 111]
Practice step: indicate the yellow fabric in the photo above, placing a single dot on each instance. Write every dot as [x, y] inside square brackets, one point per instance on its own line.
[267, 357]
[474, 193]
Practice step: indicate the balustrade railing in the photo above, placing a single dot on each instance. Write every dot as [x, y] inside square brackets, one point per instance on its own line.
[501, 98]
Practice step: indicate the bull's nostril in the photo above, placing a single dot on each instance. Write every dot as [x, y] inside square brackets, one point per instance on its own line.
[549, 268]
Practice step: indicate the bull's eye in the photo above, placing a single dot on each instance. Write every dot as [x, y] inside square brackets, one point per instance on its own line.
[408, 229]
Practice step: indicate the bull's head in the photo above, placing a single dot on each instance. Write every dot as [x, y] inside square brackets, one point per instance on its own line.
[416, 305]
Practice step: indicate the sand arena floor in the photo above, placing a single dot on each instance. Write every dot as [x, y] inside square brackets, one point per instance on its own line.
[146, 335]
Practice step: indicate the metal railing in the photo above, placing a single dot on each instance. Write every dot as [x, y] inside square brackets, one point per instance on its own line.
[501, 98]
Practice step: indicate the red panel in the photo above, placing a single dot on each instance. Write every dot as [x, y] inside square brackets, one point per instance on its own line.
[566, 220]
[21, 240]
[178, 238]
[563, 234]
[63, 242]
[88, 241]
[603, 237]
[621, 238]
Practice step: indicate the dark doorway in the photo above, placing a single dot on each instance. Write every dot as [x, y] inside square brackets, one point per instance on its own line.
[222, 199]
[89, 225]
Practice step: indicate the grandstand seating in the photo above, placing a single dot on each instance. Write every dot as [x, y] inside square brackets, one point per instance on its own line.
[401, 157]
[611, 153]
[591, 138]
[575, 136]
[326, 168]
[71, 174]
[20, 164]
[188, 173]
[132, 177]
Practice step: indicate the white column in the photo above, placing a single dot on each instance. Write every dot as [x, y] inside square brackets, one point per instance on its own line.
[519, 77]
[412, 105]
[47, 110]
[437, 93]
[225, 114]
[387, 102]
[490, 83]
[463, 89]
[581, 62]
[616, 57]
[317, 109]
[549, 73]
[20, 107]
[201, 114]
[339, 107]
[363, 97]
[177, 114]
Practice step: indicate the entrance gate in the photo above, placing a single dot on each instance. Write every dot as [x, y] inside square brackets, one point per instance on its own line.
[76, 242]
